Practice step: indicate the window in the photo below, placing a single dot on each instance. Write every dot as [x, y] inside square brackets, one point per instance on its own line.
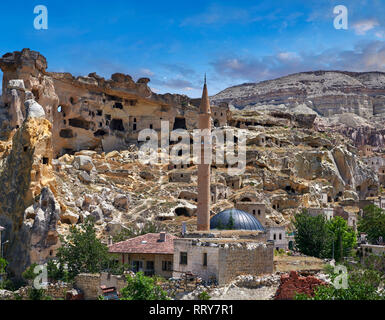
[150, 265]
[183, 258]
[151, 126]
[275, 236]
[253, 212]
[137, 266]
[166, 266]
[280, 236]
[259, 212]
[134, 127]
[205, 259]
[45, 160]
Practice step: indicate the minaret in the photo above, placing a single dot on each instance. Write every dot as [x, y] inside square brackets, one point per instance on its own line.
[204, 192]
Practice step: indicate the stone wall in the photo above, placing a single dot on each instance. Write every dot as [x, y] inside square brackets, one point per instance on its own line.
[89, 284]
[245, 259]
[226, 258]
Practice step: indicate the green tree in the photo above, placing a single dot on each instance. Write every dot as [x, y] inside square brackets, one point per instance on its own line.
[82, 251]
[372, 223]
[364, 283]
[3, 265]
[311, 236]
[343, 236]
[230, 225]
[141, 287]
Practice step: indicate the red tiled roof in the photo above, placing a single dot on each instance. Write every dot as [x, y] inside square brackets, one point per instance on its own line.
[148, 243]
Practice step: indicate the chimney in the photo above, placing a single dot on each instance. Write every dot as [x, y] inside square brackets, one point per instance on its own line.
[162, 237]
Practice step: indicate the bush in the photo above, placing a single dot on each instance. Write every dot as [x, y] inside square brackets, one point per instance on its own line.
[82, 251]
[141, 287]
[204, 296]
[29, 273]
[37, 294]
[3, 265]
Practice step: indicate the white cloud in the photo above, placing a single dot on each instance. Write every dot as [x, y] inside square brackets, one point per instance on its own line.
[146, 72]
[363, 26]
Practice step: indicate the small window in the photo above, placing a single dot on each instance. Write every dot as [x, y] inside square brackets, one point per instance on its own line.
[151, 126]
[253, 212]
[150, 265]
[280, 236]
[99, 113]
[259, 212]
[45, 160]
[134, 127]
[205, 259]
[275, 236]
[183, 258]
[166, 266]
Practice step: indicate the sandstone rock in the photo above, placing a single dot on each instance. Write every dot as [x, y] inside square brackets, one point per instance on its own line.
[97, 213]
[16, 84]
[82, 162]
[107, 209]
[69, 217]
[146, 175]
[121, 202]
[34, 110]
[85, 177]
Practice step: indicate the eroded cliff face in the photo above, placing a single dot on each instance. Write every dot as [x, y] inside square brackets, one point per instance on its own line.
[326, 92]
[25, 172]
[88, 112]
[336, 97]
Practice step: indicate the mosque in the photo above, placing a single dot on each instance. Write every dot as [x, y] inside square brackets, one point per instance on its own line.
[234, 242]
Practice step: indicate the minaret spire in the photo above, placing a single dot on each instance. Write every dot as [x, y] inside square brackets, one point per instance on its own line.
[204, 189]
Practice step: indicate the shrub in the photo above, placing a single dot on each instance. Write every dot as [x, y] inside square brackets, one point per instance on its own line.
[141, 287]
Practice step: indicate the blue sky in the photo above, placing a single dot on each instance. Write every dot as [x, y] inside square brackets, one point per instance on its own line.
[175, 42]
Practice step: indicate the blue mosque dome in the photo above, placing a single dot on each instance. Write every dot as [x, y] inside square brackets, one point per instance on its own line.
[241, 221]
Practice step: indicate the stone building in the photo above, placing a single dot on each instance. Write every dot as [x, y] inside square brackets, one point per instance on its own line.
[369, 249]
[151, 253]
[222, 259]
[328, 213]
[257, 209]
[348, 214]
[277, 234]
[180, 176]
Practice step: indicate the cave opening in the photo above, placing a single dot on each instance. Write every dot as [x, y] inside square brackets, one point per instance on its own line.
[79, 123]
[100, 133]
[117, 125]
[118, 105]
[181, 211]
[180, 123]
[66, 134]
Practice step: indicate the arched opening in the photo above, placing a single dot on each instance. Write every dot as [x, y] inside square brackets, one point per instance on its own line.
[216, 123]
[79, 123]
[118, 105]
[66, 134]
[180, 123]
[100, 133]
[182, 211]
[117, 125]
[246, 199]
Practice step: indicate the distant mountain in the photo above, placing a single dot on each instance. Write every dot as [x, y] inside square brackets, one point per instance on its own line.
[326, 92]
